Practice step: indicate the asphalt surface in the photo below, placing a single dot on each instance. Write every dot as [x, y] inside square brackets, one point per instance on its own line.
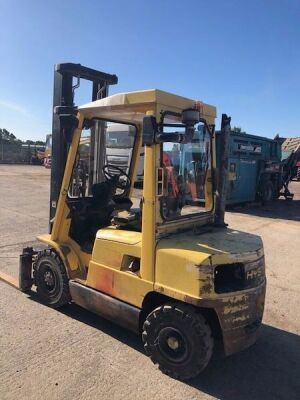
[73, 354]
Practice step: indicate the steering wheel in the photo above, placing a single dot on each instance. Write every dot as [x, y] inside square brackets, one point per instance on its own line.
[121, 180]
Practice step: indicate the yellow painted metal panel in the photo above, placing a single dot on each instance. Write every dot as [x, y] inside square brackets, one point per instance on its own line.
[125, 286]
[105, 273]
[179, 270]
[119, 235]
[135, 157]
[149, 213]
[75, 260]
[59, 228]
[69, 258]
[215, 242]
[111, 253]
[132, 106]
[185, 262]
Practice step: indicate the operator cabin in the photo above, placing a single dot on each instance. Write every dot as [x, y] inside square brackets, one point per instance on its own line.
[105, 184]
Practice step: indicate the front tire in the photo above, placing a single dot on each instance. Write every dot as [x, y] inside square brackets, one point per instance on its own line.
[178, 339]
[51, 279]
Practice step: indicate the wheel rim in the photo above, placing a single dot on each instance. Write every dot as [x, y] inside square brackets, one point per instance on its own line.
[173, 344]
[49, 280]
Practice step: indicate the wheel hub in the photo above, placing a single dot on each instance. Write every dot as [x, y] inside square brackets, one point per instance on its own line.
[173, 344]
[49, 279]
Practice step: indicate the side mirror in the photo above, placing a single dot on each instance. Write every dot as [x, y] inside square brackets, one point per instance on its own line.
[152, 134]
[149, 130]
[190, 117]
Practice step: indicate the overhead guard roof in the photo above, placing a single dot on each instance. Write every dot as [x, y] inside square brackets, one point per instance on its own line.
[131, 107]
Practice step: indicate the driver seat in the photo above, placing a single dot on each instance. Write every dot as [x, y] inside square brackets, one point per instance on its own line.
[122, 203]
[117, 208]
[129, 219]
[103, 196]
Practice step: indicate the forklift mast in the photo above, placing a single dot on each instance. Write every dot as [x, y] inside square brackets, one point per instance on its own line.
[63, 95]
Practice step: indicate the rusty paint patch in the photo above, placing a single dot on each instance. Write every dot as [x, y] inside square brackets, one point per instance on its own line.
[206, 278]
[204, 268]
[160, 289]
[239, 316]
[235, 309]
[206, 284]
[65, 250]
[206, 289]
[233, 300]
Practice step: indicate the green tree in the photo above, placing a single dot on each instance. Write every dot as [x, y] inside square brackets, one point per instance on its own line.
[12, 137]
[5, 134]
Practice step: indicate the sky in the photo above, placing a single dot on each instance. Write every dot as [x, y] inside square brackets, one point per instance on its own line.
[241, 56]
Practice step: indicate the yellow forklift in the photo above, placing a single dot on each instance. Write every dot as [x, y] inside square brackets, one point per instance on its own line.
[158, 261]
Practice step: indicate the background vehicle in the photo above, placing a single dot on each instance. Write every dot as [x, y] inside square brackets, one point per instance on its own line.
[119, 144]
[291, 157]
[291, 166]
[255, 169]
[164, 265]
[48, 150]
[33, 154]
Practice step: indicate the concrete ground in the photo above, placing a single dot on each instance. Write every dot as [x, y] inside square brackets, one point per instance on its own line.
[73, 354]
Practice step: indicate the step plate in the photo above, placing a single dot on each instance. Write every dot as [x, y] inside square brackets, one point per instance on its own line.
[106, 306]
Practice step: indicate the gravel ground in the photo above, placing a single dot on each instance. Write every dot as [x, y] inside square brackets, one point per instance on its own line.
[73, 354]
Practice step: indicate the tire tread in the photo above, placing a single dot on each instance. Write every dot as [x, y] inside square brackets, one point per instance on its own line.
[190, 317]
[50, 253]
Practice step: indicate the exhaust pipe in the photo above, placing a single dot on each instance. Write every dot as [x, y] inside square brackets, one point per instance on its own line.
[222, 172]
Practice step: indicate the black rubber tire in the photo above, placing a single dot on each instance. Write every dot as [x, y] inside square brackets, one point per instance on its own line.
[267, 192]
[55, 293]
[194, 336]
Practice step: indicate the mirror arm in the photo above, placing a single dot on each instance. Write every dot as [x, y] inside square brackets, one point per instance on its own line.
[163, 114]
[153, 132]
[176, 137]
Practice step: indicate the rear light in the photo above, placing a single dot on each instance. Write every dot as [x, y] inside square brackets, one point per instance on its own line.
[229, 278]
[239, 276]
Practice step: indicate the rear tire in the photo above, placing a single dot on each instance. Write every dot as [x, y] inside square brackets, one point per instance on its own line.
[51, 279]
[178, 339]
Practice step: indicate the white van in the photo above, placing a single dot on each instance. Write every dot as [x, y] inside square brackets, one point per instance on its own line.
[119, 145]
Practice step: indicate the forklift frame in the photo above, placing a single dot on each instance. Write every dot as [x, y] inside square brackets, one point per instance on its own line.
[202, 279]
